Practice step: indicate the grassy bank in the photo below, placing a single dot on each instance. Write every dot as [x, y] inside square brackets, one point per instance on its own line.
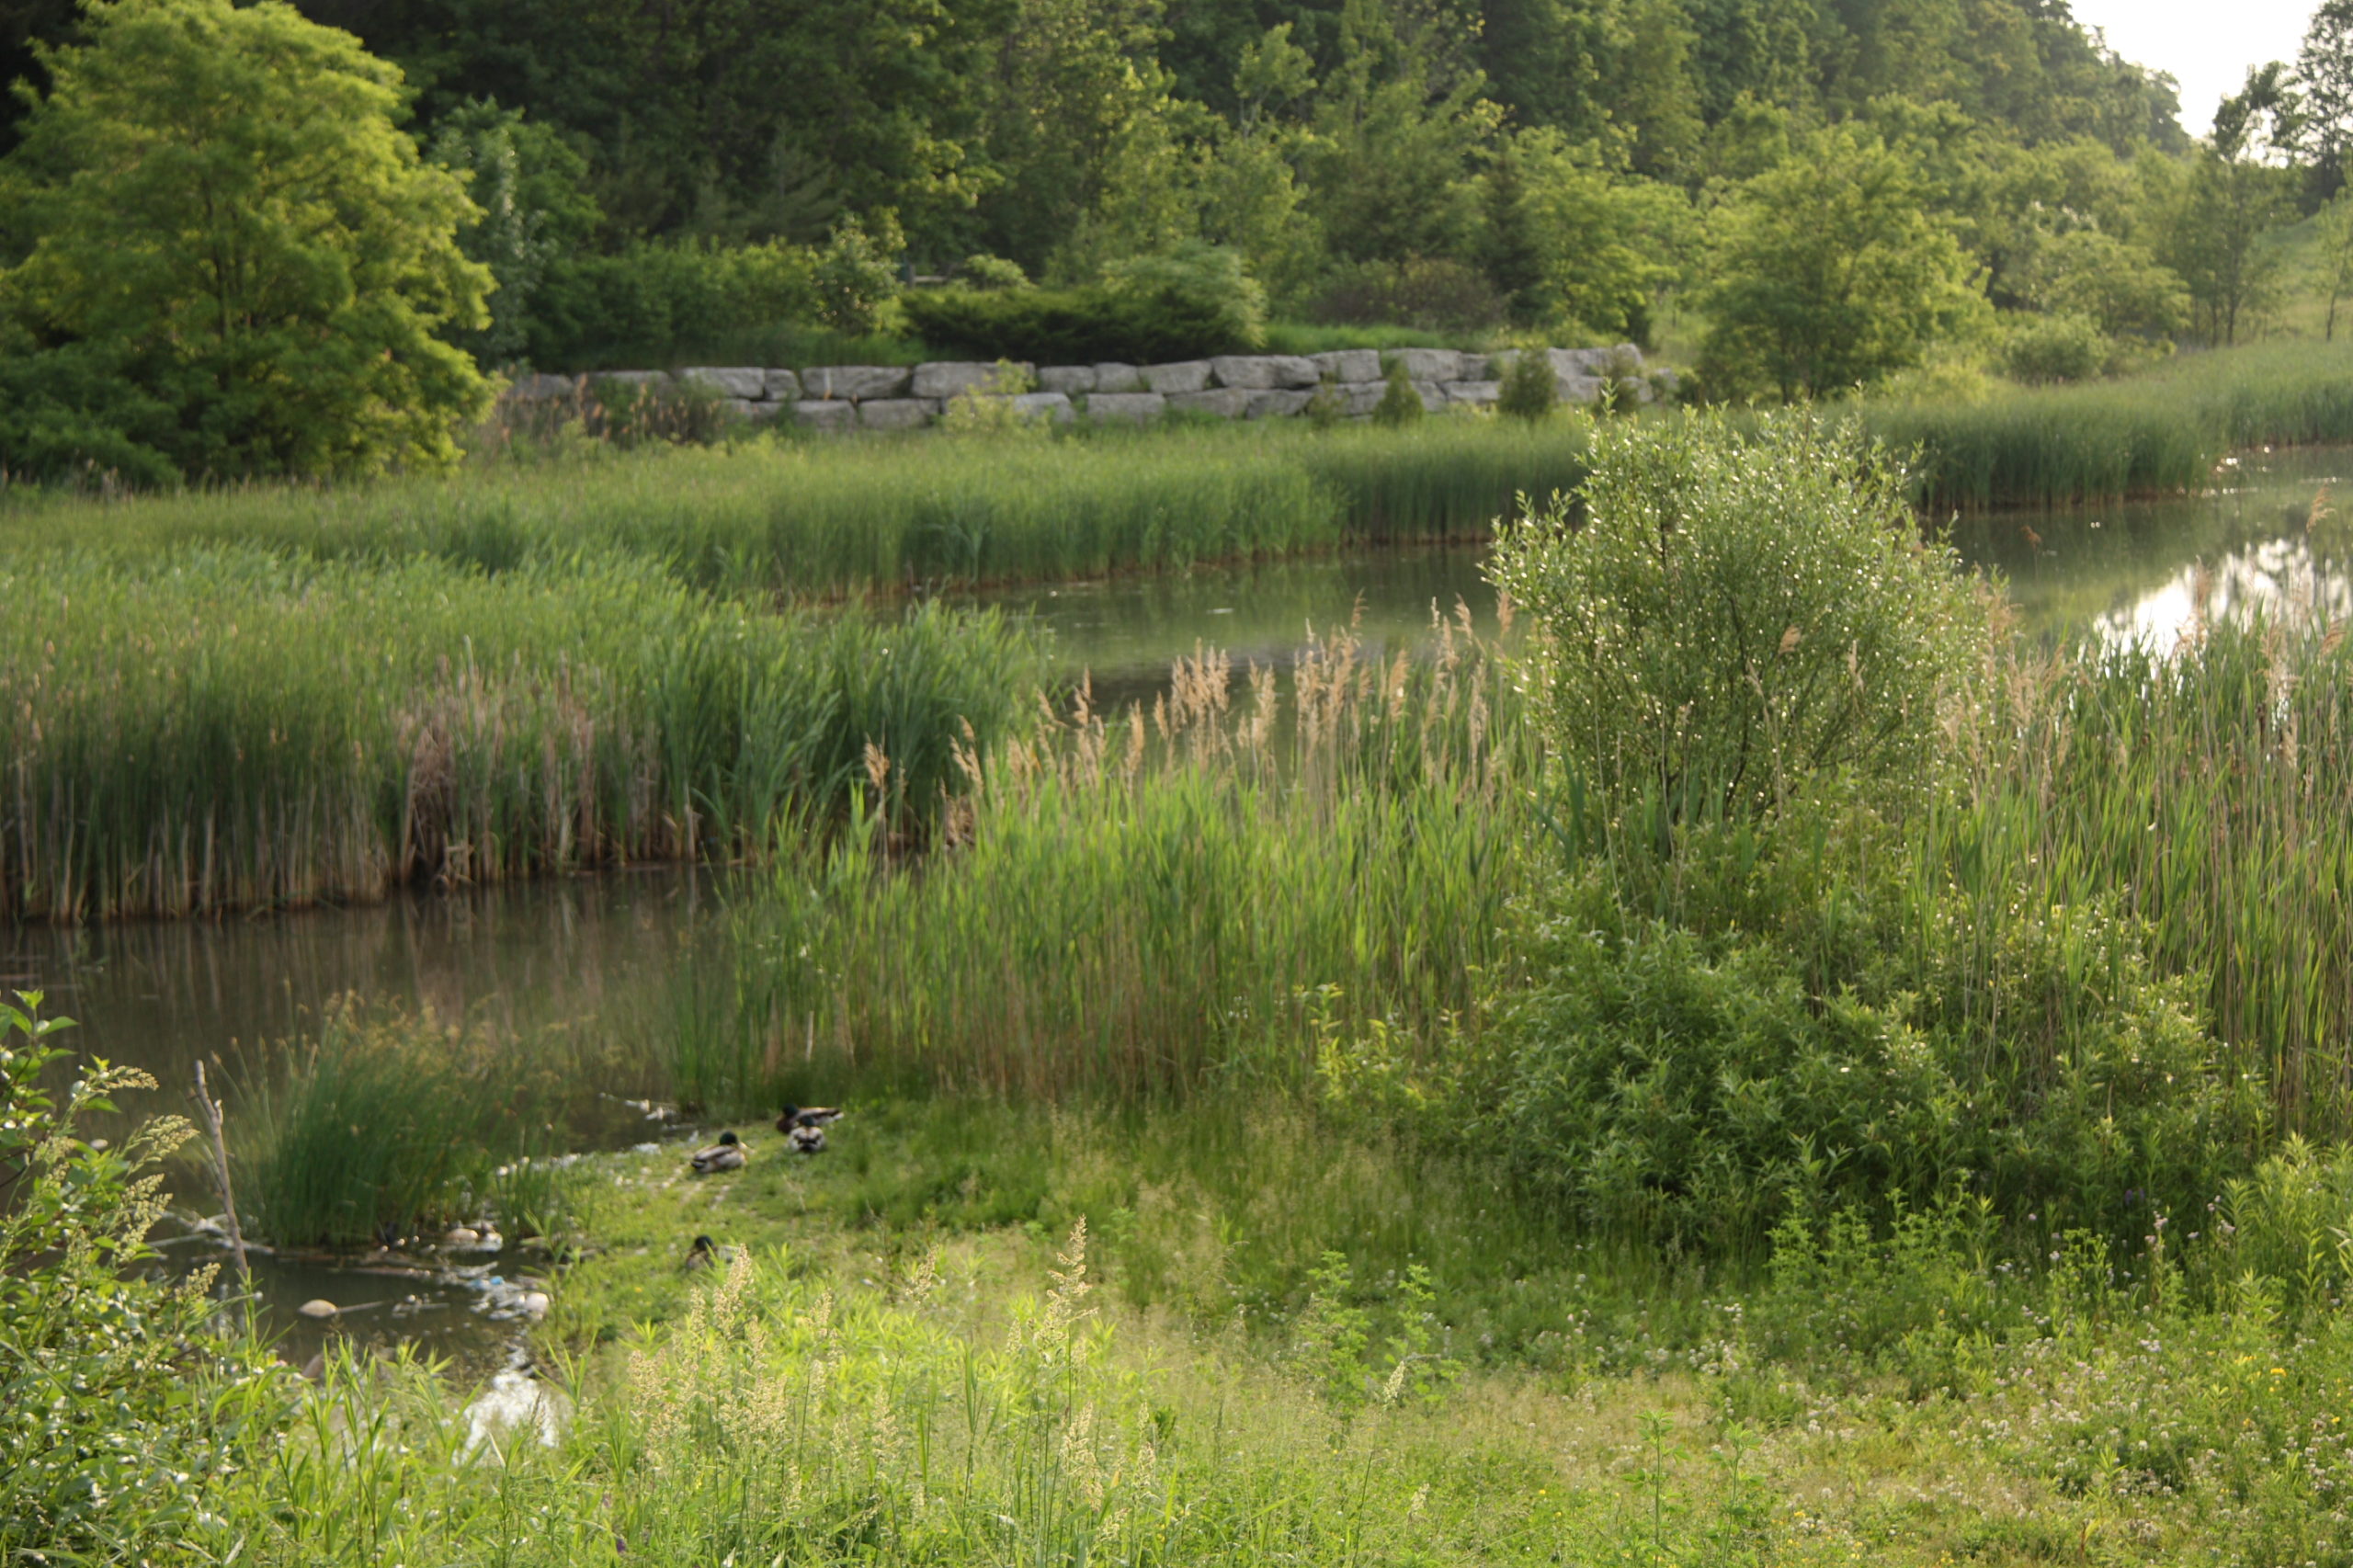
[2158, 433]
[1270, 1343]
[818, 518]
[226, 728]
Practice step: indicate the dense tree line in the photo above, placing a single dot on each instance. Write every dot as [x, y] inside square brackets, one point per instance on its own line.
[1825, 191]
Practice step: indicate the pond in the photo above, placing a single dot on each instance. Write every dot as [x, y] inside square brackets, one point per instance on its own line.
[578, 965]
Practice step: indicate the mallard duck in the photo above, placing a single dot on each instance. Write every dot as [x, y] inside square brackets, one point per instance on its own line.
[727, 1154]
[807, 1116]
[703, 1254]
[807, 1139]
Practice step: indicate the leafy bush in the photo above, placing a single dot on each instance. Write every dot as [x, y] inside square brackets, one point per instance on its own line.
[2049, 348]
[1531, 391]
[1786, 1039]
[654, 304]
[1433, 295]
[119, 1403]
[1739, 612]
[1152, 310]
[1400, 401]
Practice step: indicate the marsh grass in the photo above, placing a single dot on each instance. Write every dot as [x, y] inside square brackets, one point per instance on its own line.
[816, 520]
[1142, 903]
[2208, 789]
[391, 1125]
[2163, 432]
[225, 728]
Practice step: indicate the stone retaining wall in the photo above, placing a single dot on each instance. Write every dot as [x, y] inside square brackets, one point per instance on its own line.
[1247, 386]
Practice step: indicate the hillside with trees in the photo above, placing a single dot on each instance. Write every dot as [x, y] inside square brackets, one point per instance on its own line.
[1794, 196]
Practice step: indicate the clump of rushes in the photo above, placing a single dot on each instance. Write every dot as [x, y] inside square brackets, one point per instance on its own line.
[387, 1123]
[819, 519]
[1141, 904]
[226, 729]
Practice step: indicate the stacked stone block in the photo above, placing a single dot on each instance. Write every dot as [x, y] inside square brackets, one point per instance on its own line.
[1233, 386]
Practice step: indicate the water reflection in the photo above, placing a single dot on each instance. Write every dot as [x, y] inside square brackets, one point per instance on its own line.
[2276, 579]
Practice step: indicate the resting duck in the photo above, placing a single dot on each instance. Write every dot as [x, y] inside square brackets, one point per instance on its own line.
[727, 1154]
[700, 1255]
[807, 1116]
[807, 1139]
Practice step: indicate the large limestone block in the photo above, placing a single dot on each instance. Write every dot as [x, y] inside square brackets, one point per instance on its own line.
[1051, 405]
[946, 377]
[747, 382]
[1276, 402]
[1476, 394]
[1184, 376]
[1261, 372]
[1428, 364]
[1110, 376]
[1346, 365]
[1226, 403]
[1478, 368]
[1131, 407]
[1066, 379]
[824, 414]
[1579, 389]
[856, 382]
[754, 409]
[1574, 362]
[896, 413]
[1432, 394]
[1360, 398]
[780, 386]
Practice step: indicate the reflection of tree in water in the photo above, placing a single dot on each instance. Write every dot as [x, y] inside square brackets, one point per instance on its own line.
[2295, 578]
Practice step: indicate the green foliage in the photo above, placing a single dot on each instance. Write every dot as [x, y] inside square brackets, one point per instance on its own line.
[1182, 306]
[1401, 401]
[365, 726]
[654, 305]
[2043, 350]
[1531, 391]
[1779, 1044]
[215, 205]
[853, 276]
[1198, 887]
[531, 213]
[390, 1125]
[1829, 271]
[120, 1402]
[1736, 614]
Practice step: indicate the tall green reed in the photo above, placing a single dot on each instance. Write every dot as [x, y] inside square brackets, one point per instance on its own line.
[815, 519]
[2161, 432]
[1141, 904]
[225, 728]
[2207, 790]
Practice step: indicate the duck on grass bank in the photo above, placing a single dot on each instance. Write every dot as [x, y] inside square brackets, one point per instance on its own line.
[807, 1116]
[806, 1139]
[727, 1154]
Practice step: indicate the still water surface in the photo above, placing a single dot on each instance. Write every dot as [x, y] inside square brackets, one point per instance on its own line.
[581, 962]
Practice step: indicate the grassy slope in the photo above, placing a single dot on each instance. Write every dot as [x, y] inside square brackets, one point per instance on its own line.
[1905, 1406]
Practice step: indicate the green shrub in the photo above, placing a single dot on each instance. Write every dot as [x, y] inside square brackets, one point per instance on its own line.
[1792, 1035]
[1151, 310]
[655, 305]
[1530, 391]
[1400, 401]
[1738, 612]
[119, 1402]
[2055, 348]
